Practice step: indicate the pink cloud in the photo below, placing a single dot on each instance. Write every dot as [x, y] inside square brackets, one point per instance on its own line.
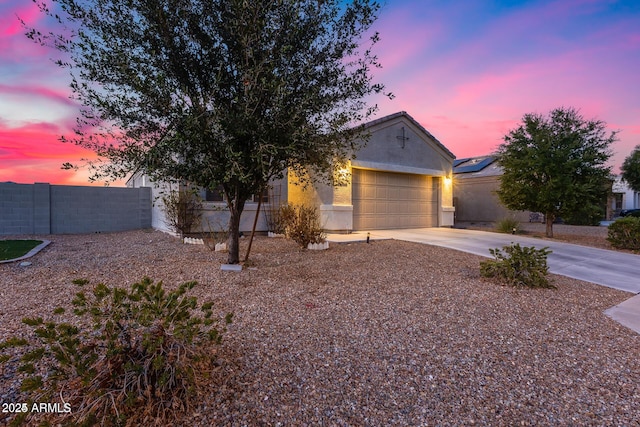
[33, 153]
[37, 141]
[50, 92]
[632, 129]
[11, 19]
[401, 43]
[14, 45]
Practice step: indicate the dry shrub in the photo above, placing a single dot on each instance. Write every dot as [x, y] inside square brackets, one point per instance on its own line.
[137, 363]
[183, 210]
[302, 224]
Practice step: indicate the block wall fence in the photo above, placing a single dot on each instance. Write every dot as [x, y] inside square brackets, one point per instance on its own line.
[42, 208]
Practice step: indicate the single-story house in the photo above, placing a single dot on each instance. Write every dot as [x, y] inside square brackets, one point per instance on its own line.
[402, 178]
[623, 197]
[475, 182]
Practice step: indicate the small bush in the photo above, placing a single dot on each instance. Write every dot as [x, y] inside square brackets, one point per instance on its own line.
[217, 234]
[138, 363]
[518, 266]
[302, 224]
[273, 210]
[183, 210]
[625, 233]
[585, 214]
[287, 216]
[508, 225]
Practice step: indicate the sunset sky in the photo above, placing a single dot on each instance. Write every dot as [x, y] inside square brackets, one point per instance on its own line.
[467, 70]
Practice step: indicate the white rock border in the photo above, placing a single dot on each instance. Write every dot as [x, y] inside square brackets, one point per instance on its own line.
[318, 246]
[193, 241]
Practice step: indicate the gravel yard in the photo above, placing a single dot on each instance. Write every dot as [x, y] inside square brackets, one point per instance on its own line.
[387, 333]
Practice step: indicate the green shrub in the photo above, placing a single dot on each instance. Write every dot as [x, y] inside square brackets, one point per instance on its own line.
[302, 224]
[585, 214]
[625, 233]
[518, 266]
[139, 360]
[508, 225]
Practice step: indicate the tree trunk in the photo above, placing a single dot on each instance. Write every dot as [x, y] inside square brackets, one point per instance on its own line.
[549, 218]
[233, 244]
[253, 230]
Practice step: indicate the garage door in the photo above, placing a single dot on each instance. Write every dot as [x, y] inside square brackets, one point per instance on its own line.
[383, 200]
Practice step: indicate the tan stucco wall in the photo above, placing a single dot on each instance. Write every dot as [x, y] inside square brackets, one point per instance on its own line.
[386, 150]
[308, 195]
[334, 202]
[416, 152]
[447, 210]
[476, 201]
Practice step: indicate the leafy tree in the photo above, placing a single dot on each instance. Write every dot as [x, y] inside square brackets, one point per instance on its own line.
[631, 169]
[218, 92]
[555, 164]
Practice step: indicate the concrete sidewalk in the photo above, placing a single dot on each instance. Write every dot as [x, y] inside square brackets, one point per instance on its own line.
[608, 268]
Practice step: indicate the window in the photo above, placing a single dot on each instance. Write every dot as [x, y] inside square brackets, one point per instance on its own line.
[215, 195]
[265, 197]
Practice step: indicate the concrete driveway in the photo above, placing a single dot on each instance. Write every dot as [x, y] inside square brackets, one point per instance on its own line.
[608, 268]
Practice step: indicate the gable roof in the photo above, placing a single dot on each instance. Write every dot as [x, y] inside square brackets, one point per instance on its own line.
[413, 122]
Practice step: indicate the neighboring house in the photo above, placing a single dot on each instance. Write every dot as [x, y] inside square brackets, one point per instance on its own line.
[402, 178]
[475, 182]
[623, 197]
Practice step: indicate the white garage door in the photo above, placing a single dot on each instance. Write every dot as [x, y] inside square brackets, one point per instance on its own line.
[383, 200]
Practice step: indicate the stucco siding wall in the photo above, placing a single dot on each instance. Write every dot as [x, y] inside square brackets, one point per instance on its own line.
[408, 154]
[310, 195]
[476, 201]
[215, 218]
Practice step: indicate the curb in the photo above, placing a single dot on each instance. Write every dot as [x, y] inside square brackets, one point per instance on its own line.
[627, 313]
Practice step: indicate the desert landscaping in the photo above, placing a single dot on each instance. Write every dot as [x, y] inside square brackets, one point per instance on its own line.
[386, 333]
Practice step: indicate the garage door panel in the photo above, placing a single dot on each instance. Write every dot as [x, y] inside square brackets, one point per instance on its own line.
[381, 193]
[371, 193]
[369, 208]
[381, 207]
[393, 200]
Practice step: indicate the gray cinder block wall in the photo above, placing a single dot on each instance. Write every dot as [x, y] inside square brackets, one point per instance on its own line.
[59, 209]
